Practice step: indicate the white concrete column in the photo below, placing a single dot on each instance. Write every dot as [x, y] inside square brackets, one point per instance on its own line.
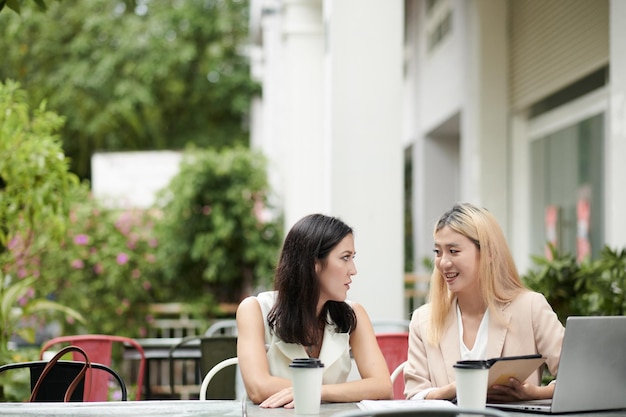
[615, 223]
[484, 145]
[305, 157]
[364, 124]
[267, 119]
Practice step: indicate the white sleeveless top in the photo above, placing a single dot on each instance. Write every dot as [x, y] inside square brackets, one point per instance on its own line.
[334, 354]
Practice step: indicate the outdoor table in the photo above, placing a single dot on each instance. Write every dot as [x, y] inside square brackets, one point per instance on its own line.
[193, 408]
[156, 380]
[155, 408]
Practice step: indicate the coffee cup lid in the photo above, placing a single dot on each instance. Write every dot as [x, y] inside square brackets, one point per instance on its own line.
[306, 363]
[472, 364]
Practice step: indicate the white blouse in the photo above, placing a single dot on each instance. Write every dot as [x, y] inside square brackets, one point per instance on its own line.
[478, 351]
[334, 353]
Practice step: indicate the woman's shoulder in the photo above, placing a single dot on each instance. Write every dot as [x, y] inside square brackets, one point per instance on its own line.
[527, 298]
[264, 300]
[422, 314]
[266, 296]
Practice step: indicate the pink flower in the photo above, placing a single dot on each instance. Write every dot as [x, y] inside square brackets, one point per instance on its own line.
[122, 258]
[116, 395]
[78, 264]
[15, 242]
[30, 293]
[136, 273]
[153, 242]
[98, 268]
[150, 257]
[124, 222]
[147, 285]
[132, 242]
[81, 239]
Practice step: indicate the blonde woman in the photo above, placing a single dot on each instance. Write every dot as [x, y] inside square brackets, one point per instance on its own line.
[478, 309]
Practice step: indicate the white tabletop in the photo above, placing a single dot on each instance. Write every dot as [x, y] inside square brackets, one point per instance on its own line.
[169, 408]
[193, 408]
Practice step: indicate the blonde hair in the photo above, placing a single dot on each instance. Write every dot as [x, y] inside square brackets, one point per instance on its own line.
[498, 279]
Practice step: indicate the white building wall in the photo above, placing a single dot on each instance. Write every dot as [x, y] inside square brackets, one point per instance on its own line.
[467, 143]
[461, 151]
[441, 82]
[615, 226]
[132, 179]
[440, 94]
[332, 93]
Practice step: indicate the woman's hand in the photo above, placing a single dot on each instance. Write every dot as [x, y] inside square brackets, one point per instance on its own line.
[447, 392]
[517, 391]
[284, 397]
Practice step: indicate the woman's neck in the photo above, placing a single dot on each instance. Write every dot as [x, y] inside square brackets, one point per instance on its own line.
[471, 305]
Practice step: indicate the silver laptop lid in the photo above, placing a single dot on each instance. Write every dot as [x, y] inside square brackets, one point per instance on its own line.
[592, 368]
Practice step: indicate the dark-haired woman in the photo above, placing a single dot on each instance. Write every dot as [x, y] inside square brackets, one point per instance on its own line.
[308, 315]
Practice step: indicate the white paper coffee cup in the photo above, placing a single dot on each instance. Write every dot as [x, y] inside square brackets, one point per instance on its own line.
[471, 383]
[307, 384]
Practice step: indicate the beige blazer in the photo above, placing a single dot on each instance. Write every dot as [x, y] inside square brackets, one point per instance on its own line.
[530, 326]
[334, 353]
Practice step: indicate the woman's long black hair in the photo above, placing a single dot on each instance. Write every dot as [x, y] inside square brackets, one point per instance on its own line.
[293, 318]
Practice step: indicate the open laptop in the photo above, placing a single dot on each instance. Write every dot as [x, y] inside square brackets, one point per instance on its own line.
[592, 369]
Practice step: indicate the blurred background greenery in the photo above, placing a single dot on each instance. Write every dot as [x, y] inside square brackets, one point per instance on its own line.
[81, 77]
[133, 75]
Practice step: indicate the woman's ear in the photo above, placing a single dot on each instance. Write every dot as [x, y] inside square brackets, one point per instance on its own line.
[318, 267]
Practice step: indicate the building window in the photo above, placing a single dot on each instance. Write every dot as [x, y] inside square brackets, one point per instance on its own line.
[438, 22]
[567, 188]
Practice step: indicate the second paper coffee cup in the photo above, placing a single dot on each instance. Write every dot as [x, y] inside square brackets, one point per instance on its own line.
[471, 383]
[307, 384]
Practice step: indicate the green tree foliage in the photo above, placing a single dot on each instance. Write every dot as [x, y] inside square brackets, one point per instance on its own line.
[158, 75]
[213, 240]
[16, 5]
[35, 186]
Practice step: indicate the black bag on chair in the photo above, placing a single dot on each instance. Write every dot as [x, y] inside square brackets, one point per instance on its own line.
[54, 381]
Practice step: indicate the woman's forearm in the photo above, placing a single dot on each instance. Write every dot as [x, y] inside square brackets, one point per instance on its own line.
[362, 389]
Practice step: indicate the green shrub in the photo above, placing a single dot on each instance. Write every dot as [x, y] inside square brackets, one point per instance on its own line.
[35, 187]
[591, 287]
[104, 267]
[216, 243]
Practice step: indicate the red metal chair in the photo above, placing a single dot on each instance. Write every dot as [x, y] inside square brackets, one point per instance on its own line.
[395, 348]
[98, 347]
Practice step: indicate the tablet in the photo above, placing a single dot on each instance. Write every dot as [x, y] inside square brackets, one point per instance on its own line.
[518, 367]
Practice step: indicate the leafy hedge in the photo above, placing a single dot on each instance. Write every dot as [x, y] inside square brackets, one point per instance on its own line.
[592, 287]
